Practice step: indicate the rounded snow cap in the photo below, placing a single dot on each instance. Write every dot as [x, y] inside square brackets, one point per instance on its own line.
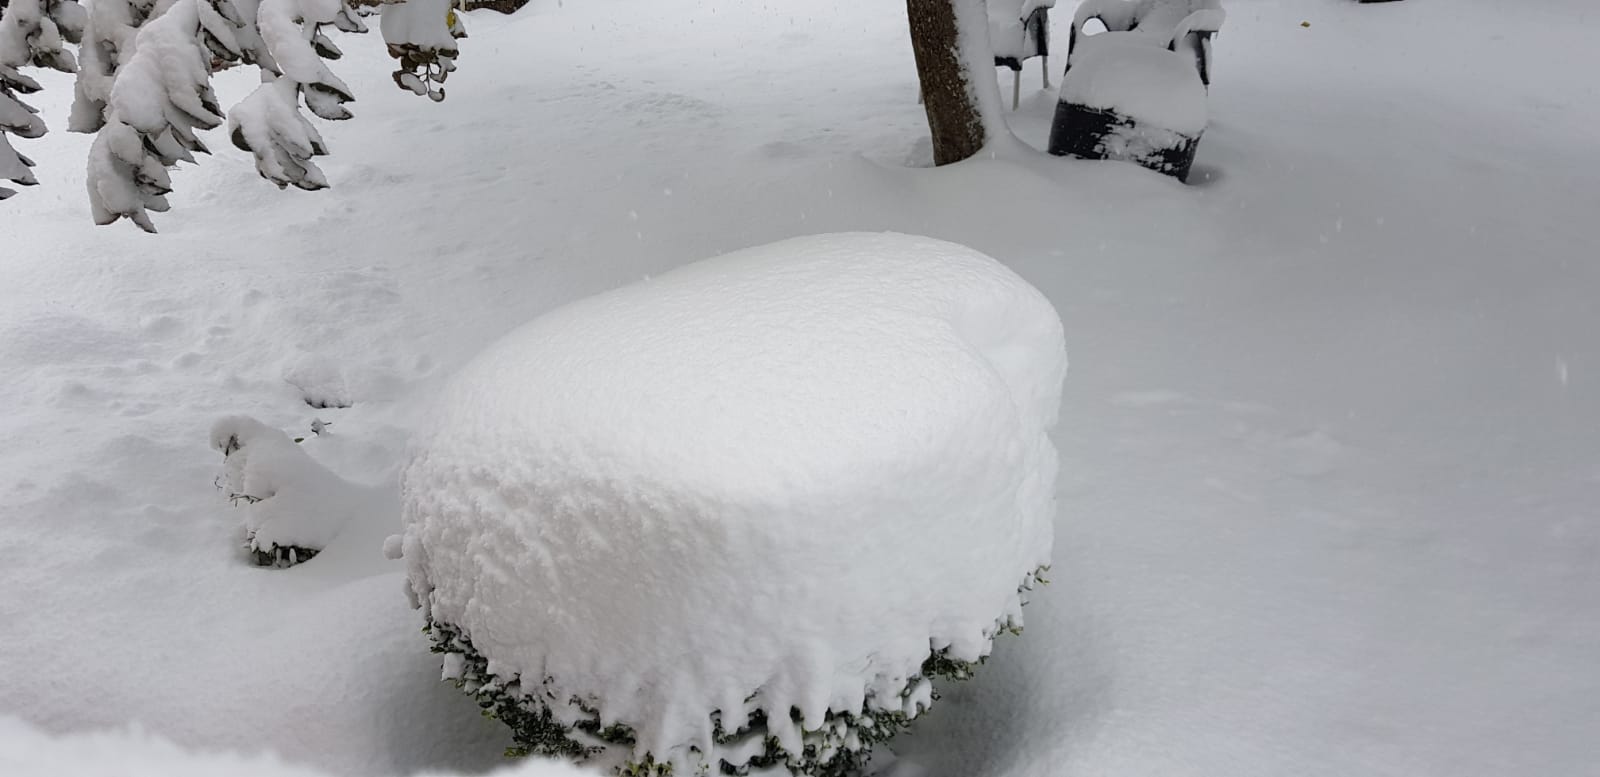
[775, 480]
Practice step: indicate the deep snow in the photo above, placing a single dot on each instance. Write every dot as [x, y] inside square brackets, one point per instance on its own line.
[24, 750]
[1329, 462]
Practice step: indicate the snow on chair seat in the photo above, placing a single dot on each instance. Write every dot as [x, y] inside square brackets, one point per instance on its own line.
[1019, 30]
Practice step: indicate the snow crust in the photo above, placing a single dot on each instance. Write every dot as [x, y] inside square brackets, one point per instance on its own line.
[1123, 72]
[26, 751]
[773, 479]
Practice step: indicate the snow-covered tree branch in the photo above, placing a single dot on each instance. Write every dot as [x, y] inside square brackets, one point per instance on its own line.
[107, 43]
[32, 33]
[268, 123]
[161, 96]
[145, 86]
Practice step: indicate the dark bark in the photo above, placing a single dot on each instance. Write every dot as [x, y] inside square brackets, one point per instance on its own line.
[954, 115]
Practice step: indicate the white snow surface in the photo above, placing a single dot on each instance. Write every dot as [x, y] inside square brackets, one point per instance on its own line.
[1329, 469]
[25, 751]
[762, 481]
[1122, 71]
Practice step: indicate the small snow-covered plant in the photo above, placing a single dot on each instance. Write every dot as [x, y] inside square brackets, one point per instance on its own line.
[294, 506]
[739, 517]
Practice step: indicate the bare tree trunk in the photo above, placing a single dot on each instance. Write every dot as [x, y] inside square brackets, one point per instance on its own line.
[956, 67]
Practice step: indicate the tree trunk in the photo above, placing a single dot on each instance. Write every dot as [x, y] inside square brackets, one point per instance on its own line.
[956, 68]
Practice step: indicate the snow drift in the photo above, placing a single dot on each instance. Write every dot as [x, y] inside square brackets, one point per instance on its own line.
[777, 480]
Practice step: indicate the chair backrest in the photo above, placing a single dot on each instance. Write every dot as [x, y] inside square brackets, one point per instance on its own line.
[1171, 24]
[1124, 15]
[1019, 30]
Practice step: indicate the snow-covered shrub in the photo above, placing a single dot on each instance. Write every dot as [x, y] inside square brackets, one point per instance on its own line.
[294, 506]
[738, 516]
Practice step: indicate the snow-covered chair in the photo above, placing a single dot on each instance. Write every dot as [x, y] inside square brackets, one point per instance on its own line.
[1183, 26]
[1019, 30]
[1126, 100]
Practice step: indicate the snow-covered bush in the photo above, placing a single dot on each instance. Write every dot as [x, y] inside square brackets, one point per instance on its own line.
[737, 516]
[294, 506]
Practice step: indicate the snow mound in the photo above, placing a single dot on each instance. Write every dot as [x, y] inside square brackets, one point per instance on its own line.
[28, 752]
[1122, 71]
[291, 501]
[776, 479]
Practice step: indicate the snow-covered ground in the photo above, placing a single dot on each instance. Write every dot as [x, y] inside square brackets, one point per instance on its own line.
[1330, 498]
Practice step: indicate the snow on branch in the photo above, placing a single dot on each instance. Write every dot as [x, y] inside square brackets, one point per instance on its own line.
[161, 96]
[107, 45]
[14, 167]
[32, 33]
[144, 86]
[268, 123]
[422, 35]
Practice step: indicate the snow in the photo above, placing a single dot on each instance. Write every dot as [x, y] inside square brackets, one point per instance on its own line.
[421, 24]
[268, 123]
[167, 71]
[811, 459]
[977, 53]
[28, 752]
[1328, 461]
[1006, 26]
[1121, 71]
[282, 24]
